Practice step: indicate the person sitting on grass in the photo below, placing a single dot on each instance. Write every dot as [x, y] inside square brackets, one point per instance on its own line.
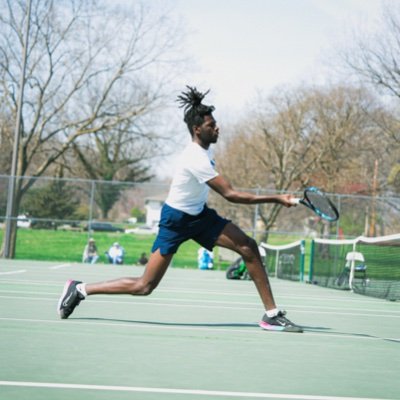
[115, 254]
[90, 254]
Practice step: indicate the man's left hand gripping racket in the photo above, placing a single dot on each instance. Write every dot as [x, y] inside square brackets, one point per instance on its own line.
[316, 200]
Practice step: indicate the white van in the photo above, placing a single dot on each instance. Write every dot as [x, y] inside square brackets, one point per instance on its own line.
[23, 221]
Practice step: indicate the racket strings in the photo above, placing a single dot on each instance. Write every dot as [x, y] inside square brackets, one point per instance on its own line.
[322, 204]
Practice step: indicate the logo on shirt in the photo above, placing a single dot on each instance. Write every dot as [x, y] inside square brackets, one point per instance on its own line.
[212, 162]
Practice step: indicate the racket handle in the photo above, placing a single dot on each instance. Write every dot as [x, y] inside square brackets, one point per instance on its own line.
[295, 201]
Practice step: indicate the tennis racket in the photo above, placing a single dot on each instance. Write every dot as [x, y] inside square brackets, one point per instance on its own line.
[317, 201]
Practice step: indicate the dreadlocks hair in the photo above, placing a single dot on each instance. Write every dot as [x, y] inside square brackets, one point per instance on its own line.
[194, 110]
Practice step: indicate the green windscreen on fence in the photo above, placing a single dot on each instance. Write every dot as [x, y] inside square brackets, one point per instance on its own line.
[369, 266]
[285, 262]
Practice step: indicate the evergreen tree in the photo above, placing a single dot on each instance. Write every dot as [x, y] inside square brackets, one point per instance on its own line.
[52, 202]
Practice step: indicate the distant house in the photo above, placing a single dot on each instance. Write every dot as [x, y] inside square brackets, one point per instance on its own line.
[153, 209]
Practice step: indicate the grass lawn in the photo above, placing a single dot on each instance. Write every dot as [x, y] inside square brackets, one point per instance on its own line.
[66, 246]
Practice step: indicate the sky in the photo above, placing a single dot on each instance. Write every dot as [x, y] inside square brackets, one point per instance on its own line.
[244, 46]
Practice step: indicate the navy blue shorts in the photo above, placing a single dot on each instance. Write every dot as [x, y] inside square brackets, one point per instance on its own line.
[177, 227]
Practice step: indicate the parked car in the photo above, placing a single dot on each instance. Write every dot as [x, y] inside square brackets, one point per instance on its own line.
[143, 230]
[24, 221]
[102, 227]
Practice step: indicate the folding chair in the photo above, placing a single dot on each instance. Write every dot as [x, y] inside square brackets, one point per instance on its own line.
[358, 269]
[355, 267]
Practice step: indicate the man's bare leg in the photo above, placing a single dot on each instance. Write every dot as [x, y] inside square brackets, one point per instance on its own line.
[235, 239]
[232, 237]
[143, 285]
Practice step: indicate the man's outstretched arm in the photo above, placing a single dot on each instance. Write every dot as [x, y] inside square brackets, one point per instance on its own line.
[225, 189]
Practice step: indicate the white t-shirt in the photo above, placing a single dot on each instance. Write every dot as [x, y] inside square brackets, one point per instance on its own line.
[189, 190]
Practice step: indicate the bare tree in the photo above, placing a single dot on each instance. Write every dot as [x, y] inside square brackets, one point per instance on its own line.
[344, 116]
[115, 155]
[301, 137]
[86, 74]
[375, 55]
[287, 145]
[375, 58]
[6, 137]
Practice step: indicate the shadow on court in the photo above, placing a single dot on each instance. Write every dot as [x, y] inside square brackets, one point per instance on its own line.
[329, 331]
[314, 329]
[184, 324]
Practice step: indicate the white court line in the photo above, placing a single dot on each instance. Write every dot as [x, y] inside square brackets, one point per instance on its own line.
[193, 327]
[20, 271]
[328, 296]
[179, 391]
[60, 266]
[243, 305]
[208, 306]
[347, 300]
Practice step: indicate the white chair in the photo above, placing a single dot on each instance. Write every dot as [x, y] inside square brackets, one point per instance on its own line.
[356, 263]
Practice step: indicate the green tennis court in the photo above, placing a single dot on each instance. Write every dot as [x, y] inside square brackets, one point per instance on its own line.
[195, 337]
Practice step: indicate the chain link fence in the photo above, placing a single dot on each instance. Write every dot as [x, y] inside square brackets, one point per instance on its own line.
[77, 204]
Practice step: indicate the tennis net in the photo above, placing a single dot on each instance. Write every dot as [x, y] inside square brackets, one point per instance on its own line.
[285, 261]
[369, 266]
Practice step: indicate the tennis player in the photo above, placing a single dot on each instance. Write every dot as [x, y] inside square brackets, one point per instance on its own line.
[185, 216]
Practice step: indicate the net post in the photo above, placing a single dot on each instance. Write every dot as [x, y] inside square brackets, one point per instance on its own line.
[302, 258]
[311, 269]
[276, 264]
[352, 266]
